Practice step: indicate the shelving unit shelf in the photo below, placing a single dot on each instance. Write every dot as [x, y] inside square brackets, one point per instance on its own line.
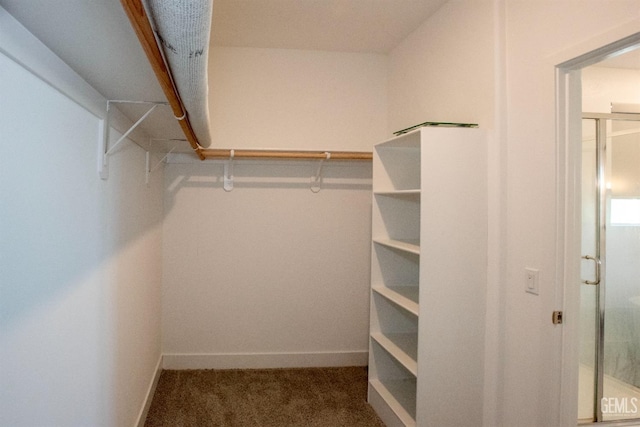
[412, 246]
[403, 296]
[403, 347]
[399, 193]
[397, 395]
[428, 275]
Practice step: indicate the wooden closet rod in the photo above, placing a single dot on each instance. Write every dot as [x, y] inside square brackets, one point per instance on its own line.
[211, 153]
[142, 26]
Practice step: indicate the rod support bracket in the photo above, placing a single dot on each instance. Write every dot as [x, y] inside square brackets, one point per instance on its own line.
[316, 181]
[227, 182]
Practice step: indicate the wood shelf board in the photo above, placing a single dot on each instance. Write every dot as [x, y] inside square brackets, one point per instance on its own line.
[412, 246]
[404, 296]
[401, 346]
[400, 396]
[405, 194]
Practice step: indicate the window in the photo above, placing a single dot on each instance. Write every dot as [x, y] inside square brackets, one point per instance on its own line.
[625, 212]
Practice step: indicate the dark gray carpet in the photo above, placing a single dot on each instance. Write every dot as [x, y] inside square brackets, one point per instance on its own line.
[322, 397]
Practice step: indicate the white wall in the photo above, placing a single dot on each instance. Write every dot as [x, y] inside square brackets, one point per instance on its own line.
[269, 274]
[80, 257]
[307, 100]
[271, 269]
[132, 229]
[444, 70]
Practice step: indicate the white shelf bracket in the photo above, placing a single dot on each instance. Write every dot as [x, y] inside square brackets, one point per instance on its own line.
[149, 170]
[316, 181]
[104, 150]
[228, 173]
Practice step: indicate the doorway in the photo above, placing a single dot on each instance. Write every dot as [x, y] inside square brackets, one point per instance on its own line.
[609, 374]
[581, 328]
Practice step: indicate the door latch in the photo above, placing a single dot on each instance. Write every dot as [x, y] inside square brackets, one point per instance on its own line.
[557, 318]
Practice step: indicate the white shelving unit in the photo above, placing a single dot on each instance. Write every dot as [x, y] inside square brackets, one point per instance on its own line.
[428, 278]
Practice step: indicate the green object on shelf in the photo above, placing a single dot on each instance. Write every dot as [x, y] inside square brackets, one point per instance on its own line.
[442, 124]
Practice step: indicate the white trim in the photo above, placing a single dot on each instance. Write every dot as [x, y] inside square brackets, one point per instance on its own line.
[568, 238]
[142, 416]
[494, 349]
[264, 360]
[597, 48]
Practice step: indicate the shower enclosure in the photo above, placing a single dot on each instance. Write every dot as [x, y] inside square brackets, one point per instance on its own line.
[609, 377]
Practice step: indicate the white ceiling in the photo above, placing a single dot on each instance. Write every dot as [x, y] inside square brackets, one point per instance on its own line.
[95, 38]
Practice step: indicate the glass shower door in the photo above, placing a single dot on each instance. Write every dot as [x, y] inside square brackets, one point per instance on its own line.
[621, 388]
[610, 291]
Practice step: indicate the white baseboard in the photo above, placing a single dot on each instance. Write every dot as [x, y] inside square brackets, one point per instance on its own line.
[142, 416]
[264, 360]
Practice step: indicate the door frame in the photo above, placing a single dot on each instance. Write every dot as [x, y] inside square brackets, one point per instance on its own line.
[568, 199]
